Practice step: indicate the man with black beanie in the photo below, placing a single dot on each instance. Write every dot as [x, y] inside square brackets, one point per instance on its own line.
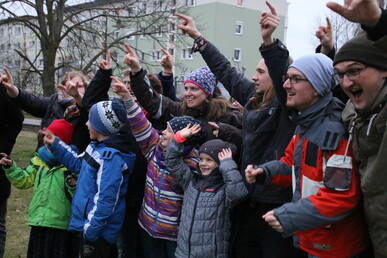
[11, 123]
[362, 71]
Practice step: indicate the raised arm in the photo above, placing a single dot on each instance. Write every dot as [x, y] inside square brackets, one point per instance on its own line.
[33, 104]
[157, 105]
[324, 34]
[274, 52]
[99, 86]
[166, 76]
[237, 85]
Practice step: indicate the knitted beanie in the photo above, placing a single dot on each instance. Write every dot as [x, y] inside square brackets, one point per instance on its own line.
[361, 49]
[62, 129]
[204, 79]
[213, 147]
[107, 117]
[318, 69]
[180, 122]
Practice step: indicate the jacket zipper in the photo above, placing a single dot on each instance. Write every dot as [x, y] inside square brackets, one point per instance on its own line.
[193, 218]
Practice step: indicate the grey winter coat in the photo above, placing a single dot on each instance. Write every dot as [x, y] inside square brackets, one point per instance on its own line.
[204, 229]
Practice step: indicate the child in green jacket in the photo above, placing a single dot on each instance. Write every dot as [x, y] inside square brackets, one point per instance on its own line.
[50, 208]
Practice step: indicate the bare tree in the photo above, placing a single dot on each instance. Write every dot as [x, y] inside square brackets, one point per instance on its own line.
[343, 30]
[76, 36]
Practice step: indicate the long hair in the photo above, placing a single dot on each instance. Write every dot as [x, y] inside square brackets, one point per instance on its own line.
[211, 108]
[260, 100]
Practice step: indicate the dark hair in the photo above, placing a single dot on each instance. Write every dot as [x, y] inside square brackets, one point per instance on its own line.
[213, 108]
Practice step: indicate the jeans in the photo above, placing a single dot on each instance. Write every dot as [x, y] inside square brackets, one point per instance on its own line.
[157, 247]
[3, 230]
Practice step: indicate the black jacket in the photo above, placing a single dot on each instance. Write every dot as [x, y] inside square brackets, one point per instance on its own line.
[266, 133]
[11, 123]
[49, 109]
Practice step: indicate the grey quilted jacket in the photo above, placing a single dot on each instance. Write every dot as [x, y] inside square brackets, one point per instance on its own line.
[204, 229]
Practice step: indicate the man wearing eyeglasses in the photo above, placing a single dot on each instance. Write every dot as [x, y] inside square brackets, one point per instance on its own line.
[362, 72]
[324, 216]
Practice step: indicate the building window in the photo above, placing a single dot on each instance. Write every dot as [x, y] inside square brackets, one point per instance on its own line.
[41, 62]
[156, 55]
[17, 30]
[172, 26]
[32, 43]
[186, 53]
[237, 54]
[116, 34]
[157, 5]
[142, 8]
[171, 51]
[141, 55]
[171, 38]
[132, 11]
[142, 34]
[190, 2]
[239, 28]
[131, 32]
[159, 32]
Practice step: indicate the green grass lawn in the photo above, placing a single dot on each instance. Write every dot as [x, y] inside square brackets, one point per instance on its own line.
[18, 230]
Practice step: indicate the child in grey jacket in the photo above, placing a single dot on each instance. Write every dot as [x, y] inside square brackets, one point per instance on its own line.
[209, 192]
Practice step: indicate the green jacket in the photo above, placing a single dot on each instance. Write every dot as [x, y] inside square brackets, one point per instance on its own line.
[51, 203]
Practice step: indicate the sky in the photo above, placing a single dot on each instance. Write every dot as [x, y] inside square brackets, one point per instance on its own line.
[303, 16]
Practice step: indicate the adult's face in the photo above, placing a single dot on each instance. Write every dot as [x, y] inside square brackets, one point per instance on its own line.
[193, 95]
[364, 82]
[262, 78]
[81, 86]
[300, 95]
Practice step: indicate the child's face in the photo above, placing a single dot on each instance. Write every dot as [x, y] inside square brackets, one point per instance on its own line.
[207, 164]
[166, 137]
[93, 133]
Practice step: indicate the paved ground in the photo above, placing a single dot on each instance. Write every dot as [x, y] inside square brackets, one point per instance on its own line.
[31, 124]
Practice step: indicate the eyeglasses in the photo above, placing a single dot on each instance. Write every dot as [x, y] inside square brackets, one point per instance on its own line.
[293, 80]
[351, 74]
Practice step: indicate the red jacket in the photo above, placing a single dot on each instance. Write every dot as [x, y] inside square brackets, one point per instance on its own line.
[326, 222]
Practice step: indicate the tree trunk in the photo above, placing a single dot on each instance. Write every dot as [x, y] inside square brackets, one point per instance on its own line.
[48, 74]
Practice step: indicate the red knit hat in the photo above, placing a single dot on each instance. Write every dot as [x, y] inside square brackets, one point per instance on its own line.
[62, 129]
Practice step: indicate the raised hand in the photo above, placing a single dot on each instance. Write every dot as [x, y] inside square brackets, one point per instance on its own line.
[215, 129]
[188, 26]
[224, 154]
[7, 81]
[189, 130]
[166, 62]
[48, 136]
[251, 173]
[131, 59]
[120, 88]
[324, 34]
[106, 63]
[273, 221]
[70, 87]
[269, 23]
[366, 12]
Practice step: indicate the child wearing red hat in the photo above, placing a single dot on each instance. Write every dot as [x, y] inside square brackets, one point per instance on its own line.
[50, 208]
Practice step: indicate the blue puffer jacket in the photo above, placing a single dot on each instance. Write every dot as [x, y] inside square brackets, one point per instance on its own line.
[98, 206]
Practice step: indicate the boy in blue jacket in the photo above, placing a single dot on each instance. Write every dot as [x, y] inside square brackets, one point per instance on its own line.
[98, 206]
